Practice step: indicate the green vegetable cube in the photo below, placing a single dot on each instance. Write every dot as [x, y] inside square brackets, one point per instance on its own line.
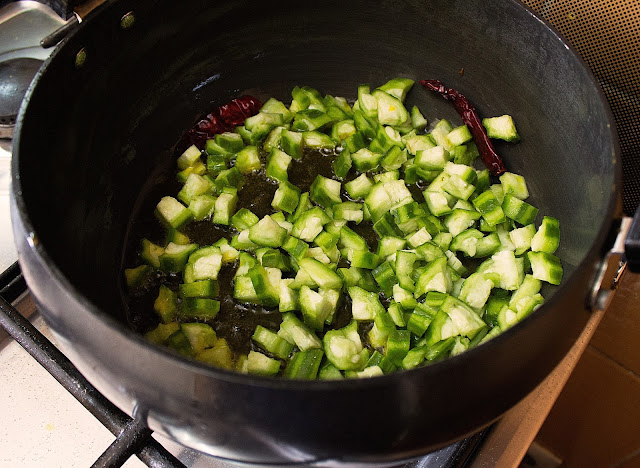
[309, 224]
[267, 232]
[547, 237]
[502, 127]
[343, 129]
[230, 142]
[546, 267]
[342, 164]
[248, 160]
[325, 192]
[434, 278]
[204, 263]
[317, 140]
[173, 213]
[343, 348]
[277, 165]
[310, 119]
[315, 308]
[199, 308]
[304, 364]
[259, 364]
[204, 288]
[165, 304]
[359, 187]
[286, 197]
[291, 143]
[225, 206]
[459, 136]
[518, 210]
[244, 219]
[190, 157]
[272, 343]
[365, 160]
[490, 208]
[175, 256]
[365, 305]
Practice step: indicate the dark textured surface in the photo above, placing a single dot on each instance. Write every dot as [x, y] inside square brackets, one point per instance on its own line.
[139, 89]
[607, 36]
[15, 75]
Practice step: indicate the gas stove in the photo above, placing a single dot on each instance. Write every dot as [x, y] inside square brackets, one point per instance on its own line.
[53, 417]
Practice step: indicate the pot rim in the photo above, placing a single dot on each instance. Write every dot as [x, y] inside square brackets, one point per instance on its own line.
[276, 382]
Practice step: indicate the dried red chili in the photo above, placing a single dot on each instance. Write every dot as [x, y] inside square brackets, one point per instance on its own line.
[470, 117]
[223, 119]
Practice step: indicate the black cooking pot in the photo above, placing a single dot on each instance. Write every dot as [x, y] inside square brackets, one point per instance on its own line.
[100, 125]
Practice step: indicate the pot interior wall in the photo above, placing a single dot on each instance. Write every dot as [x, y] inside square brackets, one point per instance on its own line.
[95, 135]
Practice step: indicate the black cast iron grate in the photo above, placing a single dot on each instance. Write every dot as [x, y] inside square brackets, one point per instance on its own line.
[133, 437]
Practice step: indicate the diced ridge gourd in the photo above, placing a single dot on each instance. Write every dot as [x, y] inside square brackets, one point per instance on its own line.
[394, 238]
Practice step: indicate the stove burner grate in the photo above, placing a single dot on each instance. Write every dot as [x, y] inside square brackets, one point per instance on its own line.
[132, 435]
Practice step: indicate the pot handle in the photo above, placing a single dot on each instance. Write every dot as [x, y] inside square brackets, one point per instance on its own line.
[613, 266]
[632, 244]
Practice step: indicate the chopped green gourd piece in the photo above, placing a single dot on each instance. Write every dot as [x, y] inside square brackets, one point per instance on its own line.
[501, 127]
[136, 276]
[321, 274]
[259, 364]
[248, 160]
[150, 253]
[219, 355]
[518, 210]
[342, 164]
[343, 348]
[490, 208]
[365, 305]
[296, 332]
[397, 87]
[199, 308]
[165, 304]
[398, 345]
[514, 184]
[545, 267]
[391, 111]
[225, 206]
[547, 237]
[277, 165]
[310, 224]
[174, 257]
[304, 364]
[204, 263]
[200, 335]
[267, 232]
[172, 212]
[204, 288]
[315, 308]
[359, 187]
[310, 119]
[267, 293]
[435, 277]
[325, 192]
[189, 158]
[291, 143]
